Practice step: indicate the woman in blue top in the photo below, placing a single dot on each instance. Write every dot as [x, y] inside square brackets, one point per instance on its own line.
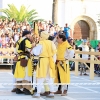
[66, 30]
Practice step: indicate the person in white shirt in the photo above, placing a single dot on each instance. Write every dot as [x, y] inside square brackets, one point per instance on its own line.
[46, 50]
[84, 56]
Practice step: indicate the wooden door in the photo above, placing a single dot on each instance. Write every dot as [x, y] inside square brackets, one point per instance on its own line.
[81, 30]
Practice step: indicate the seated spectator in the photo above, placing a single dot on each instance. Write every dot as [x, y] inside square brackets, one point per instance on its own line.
[5, 53]
[0, 42]
[3, 40]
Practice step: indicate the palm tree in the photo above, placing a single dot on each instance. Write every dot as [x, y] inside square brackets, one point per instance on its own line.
[55, 12]
[19, 15]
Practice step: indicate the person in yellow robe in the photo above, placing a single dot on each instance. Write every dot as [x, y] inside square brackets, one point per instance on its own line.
[62, 68]
[46, 87]
[23, 74]
[46, 50]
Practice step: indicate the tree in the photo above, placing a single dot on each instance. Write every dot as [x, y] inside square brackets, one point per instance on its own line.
[19, 15]
[55, 12]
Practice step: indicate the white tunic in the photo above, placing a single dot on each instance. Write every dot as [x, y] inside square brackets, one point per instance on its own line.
[38, 50]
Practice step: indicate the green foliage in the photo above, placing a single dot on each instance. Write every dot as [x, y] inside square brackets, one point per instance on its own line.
[2, 17]
[19, 15]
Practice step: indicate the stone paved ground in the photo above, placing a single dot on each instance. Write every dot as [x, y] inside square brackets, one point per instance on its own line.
[81, 88]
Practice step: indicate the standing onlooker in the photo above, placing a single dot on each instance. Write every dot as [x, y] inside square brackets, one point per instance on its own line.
[66, 30]
[98, 47]
[84, 56]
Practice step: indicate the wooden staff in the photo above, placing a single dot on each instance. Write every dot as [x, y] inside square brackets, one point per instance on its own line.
[34, 41]
[35, 36]
[36, 31]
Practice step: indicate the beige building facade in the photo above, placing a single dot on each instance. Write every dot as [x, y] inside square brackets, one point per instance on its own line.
[82, 17]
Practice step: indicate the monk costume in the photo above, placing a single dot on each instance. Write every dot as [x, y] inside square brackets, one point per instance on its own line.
[45, 72]
[23, 73]
[46, 87]
[62, 68]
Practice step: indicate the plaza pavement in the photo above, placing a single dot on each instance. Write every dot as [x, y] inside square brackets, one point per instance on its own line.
[81, 88]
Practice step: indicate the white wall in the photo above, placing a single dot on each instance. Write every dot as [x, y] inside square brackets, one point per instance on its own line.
[70, 9]
[61, 13]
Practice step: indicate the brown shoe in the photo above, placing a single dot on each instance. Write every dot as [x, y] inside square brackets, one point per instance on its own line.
[64, 93]
[13, 90]
[45, 93]
[58, 92]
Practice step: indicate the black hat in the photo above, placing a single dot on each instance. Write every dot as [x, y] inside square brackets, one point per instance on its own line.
[25, 33]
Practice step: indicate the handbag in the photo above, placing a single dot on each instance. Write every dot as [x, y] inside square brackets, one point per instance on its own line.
[23, 62]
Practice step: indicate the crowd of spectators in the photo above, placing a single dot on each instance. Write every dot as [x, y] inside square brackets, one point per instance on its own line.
[11, 32]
